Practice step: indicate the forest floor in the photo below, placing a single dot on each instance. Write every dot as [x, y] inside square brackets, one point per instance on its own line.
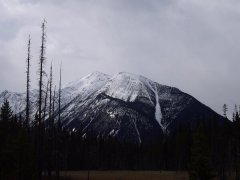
[124, 175]
[127, 175]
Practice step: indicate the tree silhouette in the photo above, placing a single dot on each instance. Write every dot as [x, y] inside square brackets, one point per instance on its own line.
[225, 109]
[200, 160]
[40, 99]
[6, 112]
[28, 83]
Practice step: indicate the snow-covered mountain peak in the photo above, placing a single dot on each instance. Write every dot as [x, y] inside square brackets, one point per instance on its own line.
[134, 77]
[97, 73]
[125, 105]
[127, 75]
[85, 86]
[126, 86]
[90, 78]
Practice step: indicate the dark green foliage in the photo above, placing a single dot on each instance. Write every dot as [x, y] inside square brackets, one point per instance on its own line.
[203, 150]
[6, 112]
[236, 144]
[16, 152]
[225, 109]
[200, 168]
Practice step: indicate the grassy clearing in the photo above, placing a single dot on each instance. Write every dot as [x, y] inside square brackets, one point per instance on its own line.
[125, 175]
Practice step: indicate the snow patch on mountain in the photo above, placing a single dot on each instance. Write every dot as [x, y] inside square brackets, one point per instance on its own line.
[158, 112]
[124, 86]
[85, 86]
[137, 131]
[16, 100]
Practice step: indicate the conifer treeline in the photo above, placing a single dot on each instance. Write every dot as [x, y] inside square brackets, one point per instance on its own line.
[39, 147]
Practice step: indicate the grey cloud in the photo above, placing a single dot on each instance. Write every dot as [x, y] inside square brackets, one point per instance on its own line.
[193, 45]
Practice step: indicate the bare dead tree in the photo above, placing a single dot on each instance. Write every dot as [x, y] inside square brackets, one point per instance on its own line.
[41, 70]
[42, 60]
[50, 129]
[50, 98]
[54, 129]
[59, 97]
[28, 83]
[45, 102]
[59, 124]
[53, 103]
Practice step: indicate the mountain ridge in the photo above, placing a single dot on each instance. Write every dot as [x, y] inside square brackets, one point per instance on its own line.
[124, 105]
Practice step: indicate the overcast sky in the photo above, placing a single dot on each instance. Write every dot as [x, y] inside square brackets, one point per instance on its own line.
[190, 44]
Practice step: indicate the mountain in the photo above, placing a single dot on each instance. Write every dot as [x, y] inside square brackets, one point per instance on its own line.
[126, 106]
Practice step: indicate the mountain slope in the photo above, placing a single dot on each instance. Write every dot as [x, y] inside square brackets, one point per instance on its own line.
[135, 108]
[125, 105]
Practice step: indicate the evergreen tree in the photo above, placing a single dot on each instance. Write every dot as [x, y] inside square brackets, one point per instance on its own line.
[200, 168]
[225, 109]
[8, 144]
[236, 145]
[16, 150]
[6, 112]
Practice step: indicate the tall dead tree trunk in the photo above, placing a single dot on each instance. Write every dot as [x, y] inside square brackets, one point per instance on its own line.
[41, 74]
[59, 97]
[53, 104]
[59, 124]
[50, 129]
[28, 84]
[50, 98]
[54, 128]
[45, 102]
